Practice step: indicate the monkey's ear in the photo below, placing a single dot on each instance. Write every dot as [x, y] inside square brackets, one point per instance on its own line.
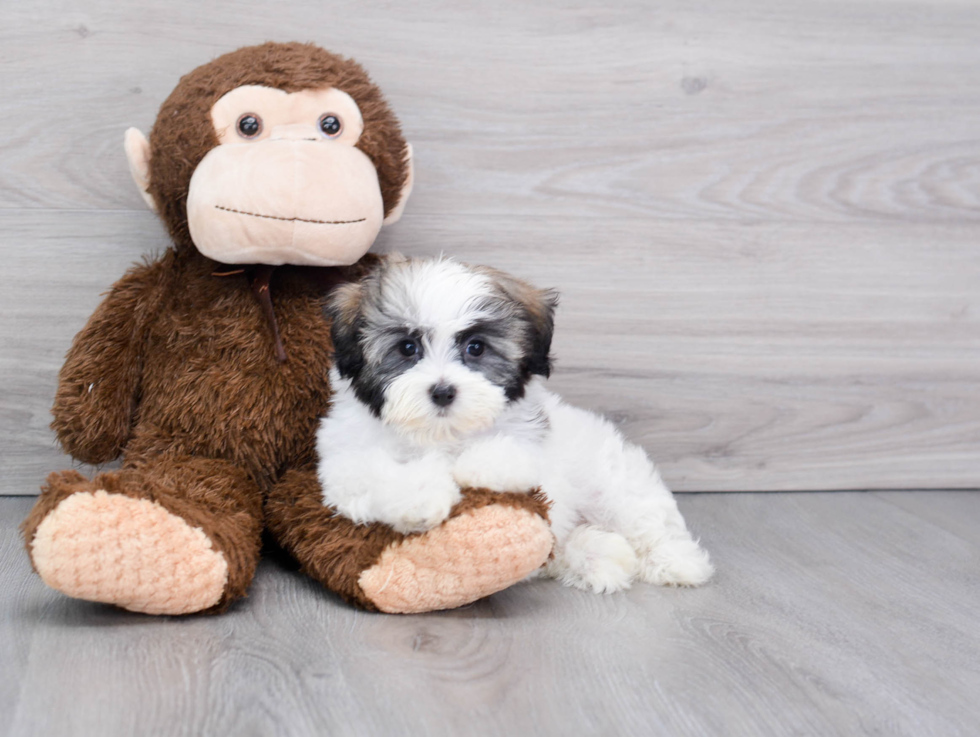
[138, 155]
[344, 309]
[406, 188]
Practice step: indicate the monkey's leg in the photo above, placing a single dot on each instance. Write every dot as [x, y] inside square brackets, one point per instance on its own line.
[489, 542]
[173, 535]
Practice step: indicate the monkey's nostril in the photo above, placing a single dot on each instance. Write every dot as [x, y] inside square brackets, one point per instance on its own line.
[443, 394]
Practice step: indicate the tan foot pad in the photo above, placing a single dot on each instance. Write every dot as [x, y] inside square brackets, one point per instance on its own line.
[470, 556]
[129, 552]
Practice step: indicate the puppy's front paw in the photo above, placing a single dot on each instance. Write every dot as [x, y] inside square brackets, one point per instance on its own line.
[428, 507]
[498, 464]
[594, 560]
[675, 562]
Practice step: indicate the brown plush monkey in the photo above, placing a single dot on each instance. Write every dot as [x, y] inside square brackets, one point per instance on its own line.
[207, 368]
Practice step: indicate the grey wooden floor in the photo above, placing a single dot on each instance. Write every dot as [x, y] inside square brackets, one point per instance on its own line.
[832, 613]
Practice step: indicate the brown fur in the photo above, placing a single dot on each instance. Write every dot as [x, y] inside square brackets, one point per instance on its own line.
[176, 370]
[213, 387]
[184, 133]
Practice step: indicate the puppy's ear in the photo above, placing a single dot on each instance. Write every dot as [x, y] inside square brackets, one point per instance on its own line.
[344, 310]
[541, 311]
[538, 306]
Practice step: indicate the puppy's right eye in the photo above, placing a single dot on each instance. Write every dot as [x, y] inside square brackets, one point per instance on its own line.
[408, 348]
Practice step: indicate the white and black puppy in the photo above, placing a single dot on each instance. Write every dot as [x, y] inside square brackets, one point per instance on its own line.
[439, 382]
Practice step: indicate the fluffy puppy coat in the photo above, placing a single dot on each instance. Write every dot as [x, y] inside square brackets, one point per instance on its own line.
[439, 376]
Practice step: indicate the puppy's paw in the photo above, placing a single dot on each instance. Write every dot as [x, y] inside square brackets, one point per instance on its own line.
[498, 464]
[427, 506]
[675, 562]
[595, 560]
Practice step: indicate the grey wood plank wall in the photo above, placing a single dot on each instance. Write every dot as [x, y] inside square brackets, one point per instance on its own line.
[763, 215]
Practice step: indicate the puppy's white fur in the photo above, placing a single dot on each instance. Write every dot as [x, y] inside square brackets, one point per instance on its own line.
[613, 518]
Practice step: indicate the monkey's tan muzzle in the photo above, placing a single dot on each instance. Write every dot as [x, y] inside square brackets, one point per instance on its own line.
[291, 199]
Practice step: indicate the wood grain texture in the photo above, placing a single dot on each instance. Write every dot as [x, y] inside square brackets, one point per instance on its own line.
[955, 512]
[837, 613]
[756, 109]
[724, 364]
[763, 215]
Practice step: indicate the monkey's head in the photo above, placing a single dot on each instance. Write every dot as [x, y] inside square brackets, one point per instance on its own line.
[274, 154]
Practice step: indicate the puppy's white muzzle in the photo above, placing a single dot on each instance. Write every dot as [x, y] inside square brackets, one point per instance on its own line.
[418, 403]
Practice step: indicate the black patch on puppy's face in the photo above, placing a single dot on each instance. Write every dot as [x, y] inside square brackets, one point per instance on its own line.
[526, 319]
[535, 309]
[370, 385]
[495, 365]
[358, 341]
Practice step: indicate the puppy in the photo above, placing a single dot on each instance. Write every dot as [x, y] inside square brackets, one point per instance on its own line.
[439, 378]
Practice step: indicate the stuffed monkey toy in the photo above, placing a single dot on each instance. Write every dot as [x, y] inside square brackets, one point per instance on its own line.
[273, 168]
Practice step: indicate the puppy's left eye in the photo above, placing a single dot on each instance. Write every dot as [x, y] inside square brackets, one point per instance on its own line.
[475, 348]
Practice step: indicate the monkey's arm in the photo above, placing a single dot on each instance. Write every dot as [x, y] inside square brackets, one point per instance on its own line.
[98, 387]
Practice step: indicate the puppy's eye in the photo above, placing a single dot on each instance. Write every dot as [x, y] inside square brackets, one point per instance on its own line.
[408, 348]
[475, 348]
[249, 125]
[330, 125]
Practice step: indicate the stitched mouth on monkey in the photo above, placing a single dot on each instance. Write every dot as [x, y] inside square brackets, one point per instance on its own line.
[289, 220]
[269, 202]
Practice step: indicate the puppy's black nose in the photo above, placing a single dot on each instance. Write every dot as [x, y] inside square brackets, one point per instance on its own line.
[443, 394]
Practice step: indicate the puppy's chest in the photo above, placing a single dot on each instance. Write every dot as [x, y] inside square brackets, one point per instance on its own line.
[526, 422]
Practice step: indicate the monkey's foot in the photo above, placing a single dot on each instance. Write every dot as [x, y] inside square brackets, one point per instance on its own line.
[129, 552]
[471, 555]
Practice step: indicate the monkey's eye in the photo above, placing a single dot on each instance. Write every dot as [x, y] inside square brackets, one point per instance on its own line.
[329, 125]
[249, 125]
[475, 348]
[408, 348]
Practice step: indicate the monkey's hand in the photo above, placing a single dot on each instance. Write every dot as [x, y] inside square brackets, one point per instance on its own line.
[98, 387]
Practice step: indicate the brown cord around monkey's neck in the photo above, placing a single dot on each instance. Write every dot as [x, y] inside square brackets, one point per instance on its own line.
[259, 277]
[321, 279]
